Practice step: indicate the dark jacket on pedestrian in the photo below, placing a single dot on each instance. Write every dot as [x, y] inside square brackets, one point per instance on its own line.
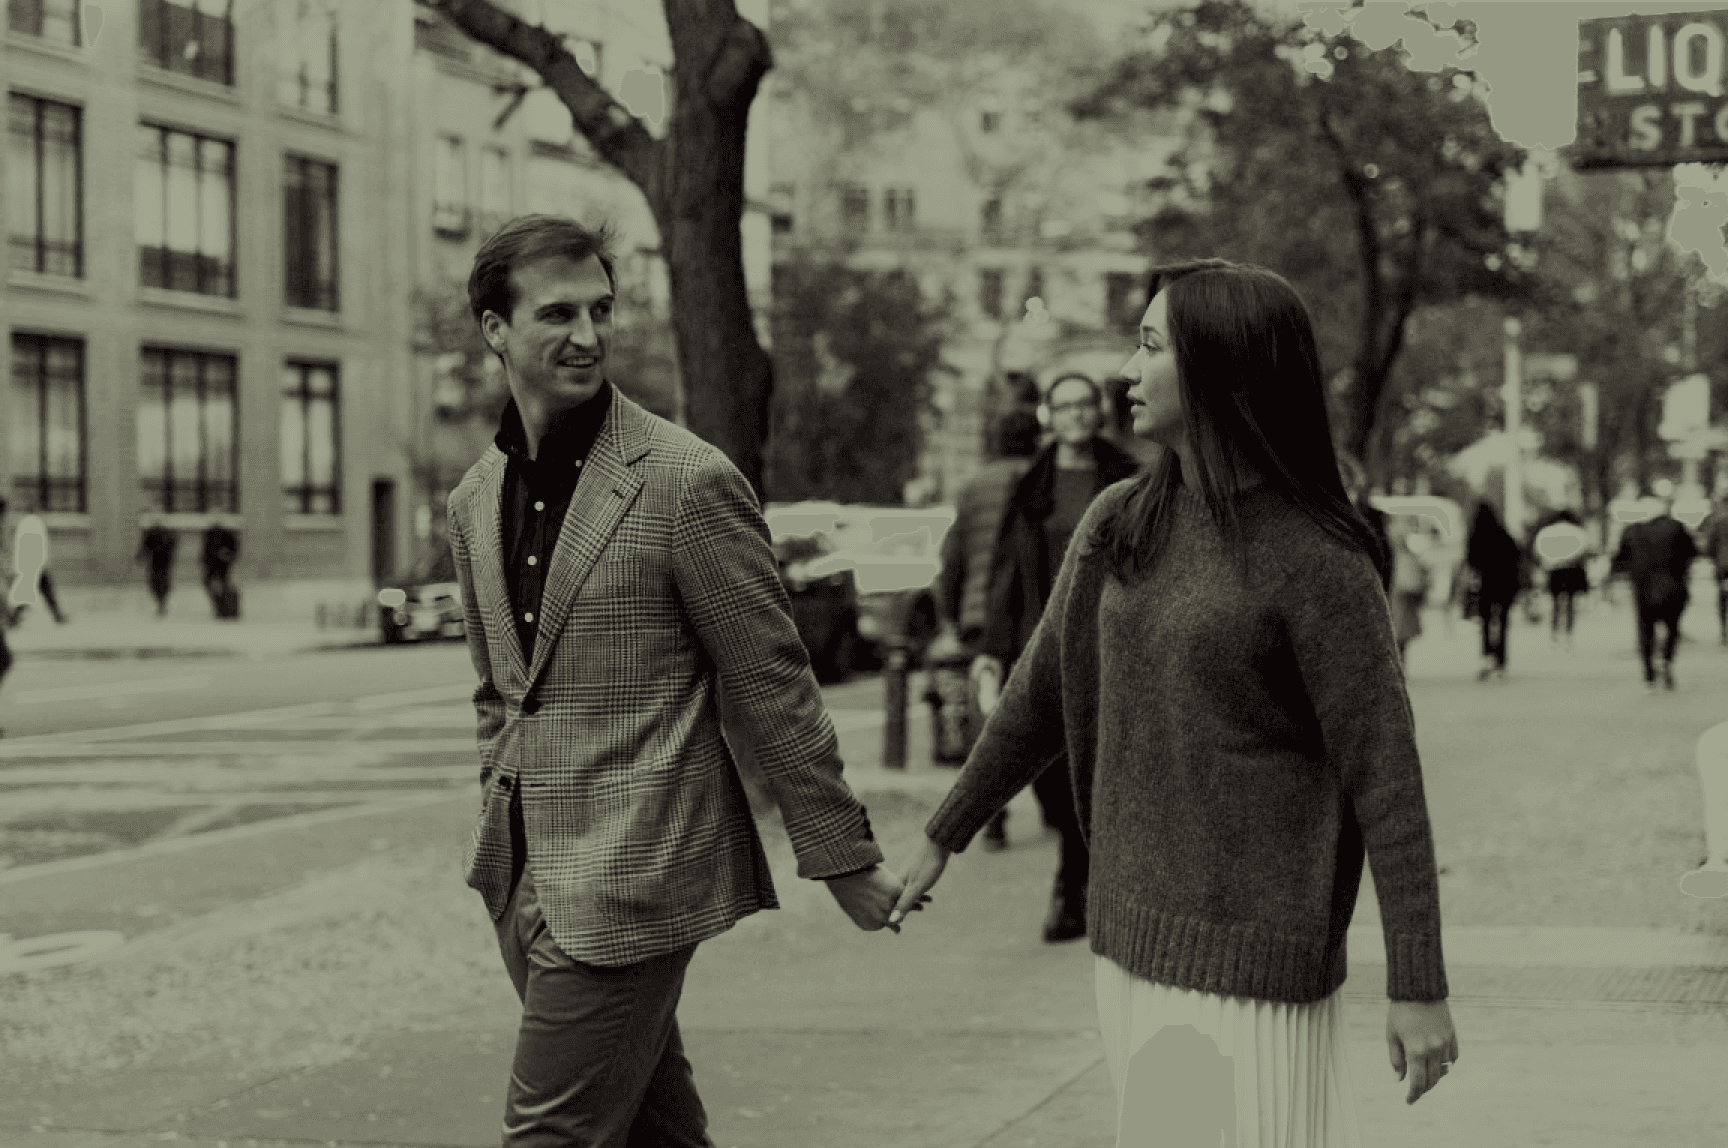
[963, 584]
[221, 549]
[1022, 568]
[1657, 555]
[1495, 556]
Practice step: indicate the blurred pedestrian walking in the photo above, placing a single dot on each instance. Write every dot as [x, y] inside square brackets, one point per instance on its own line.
[1657, 555]
[963, 584]
[31, 538]
[157, 549]
[1044, 508]
[1562, 548]
[1495, 560]
[221, 551]
[1217, 661]
[1409, 591]
[619, 589]
[11, 612]
[1713, 531]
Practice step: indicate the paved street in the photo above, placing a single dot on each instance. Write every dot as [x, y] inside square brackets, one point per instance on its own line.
[323, 977]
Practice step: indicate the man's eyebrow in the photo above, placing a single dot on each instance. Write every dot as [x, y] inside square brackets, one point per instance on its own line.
[556, 303]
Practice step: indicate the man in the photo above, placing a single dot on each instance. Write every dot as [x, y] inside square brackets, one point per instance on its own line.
[963, 586]
[1043, 510]
[1714, 531]
[157, 549]
[617, 580]
[221, 550]
[1657, 555]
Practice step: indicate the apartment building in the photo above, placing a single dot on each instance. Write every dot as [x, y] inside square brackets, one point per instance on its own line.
[218, 212]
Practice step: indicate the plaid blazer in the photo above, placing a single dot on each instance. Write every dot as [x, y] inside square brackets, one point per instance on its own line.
[662, 592]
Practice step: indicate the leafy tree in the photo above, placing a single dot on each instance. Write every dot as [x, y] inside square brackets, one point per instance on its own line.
[693, 180]
[1374, 188]
[854, 351]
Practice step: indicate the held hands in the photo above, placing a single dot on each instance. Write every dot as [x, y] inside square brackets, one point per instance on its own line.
[926, 870]
[1420, 1038]
[869, 897]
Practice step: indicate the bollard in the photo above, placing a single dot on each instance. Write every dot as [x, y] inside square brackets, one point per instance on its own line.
[1711, 881]
[894, 705]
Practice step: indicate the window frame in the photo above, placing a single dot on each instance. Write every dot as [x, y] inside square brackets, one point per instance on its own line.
[42, 481]
[39, 139]
[314, 296]
[163, 500]
[300, 60]
[855, 208]
[153, 15]
[992, 291]
[306, 491]
[164, 131]
[451, 219]
[40, 11]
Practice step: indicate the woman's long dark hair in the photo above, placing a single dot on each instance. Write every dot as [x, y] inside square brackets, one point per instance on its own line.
[1248, 370]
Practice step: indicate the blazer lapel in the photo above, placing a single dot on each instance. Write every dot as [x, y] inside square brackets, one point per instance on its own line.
[490, 584]
[603, 493]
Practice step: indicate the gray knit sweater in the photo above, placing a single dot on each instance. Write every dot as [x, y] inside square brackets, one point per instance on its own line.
[1234, 745]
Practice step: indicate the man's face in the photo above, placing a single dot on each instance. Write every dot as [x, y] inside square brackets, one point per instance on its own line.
[554, 346]
[1074, 412]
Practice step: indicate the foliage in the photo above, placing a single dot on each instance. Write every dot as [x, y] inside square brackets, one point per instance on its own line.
[1374, 190]
[853, 352]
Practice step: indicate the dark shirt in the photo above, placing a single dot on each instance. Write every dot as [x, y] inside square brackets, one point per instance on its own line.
[537, 493]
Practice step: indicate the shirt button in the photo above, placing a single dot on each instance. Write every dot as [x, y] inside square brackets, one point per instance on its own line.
[539, 506]
[528, 617]
[533, 561]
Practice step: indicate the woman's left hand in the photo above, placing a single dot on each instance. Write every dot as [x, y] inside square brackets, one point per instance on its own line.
[1420, 1038]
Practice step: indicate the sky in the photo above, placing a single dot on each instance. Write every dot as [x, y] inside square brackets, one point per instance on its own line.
[1527, 54]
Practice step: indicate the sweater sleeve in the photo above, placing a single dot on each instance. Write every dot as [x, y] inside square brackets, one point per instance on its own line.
[1341, 633]
[1026, 732]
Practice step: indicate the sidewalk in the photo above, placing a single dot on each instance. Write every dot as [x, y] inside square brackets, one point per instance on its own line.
[130, 636]
[334, 984]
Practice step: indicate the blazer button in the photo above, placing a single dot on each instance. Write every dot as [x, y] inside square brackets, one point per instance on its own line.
[531, 705]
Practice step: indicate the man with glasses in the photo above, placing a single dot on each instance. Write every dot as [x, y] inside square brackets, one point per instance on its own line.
[1043, 511]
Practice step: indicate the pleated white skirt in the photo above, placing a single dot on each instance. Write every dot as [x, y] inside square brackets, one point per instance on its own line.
[1188, 1066]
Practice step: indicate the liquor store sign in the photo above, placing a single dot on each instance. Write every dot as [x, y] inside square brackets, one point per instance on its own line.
[1653, 90]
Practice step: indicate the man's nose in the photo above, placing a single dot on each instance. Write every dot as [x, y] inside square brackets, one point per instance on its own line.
[583, 333]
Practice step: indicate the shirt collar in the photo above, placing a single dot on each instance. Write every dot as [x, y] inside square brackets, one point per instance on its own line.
[569, 435]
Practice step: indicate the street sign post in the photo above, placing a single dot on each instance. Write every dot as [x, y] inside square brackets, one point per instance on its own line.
[1651, 90]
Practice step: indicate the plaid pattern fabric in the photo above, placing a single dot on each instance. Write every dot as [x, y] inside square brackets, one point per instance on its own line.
[661, 593]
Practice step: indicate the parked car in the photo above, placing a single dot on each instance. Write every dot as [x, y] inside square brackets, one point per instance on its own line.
[425, 603]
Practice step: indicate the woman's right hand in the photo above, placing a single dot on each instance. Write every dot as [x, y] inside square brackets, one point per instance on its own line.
[925, 871]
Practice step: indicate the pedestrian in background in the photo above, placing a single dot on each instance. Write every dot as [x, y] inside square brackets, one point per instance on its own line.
[963, 583]
[1217, 661]
[619, 589]
[1046, 505]
[157, 550]
[1657, 555]
[1410, 584]
[32, 538]
[221, 551]
[1562, 548]
[1714, 533]
[10, 613]
[1495, 560]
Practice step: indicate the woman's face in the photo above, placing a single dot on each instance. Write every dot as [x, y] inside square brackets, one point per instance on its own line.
[1154, 395]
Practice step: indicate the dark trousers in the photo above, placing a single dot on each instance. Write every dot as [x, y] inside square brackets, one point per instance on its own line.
[1649, 613]
[1562, 605]
[5, 650]
[599, 1062]
[1722, 601]
[1495, 616]
[45, 586]
[159, 587]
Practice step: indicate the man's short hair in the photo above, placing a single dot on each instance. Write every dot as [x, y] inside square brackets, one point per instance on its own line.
[523, 240]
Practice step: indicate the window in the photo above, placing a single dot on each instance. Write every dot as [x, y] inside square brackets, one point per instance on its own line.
[900, 209]
[990, 219]
[192, 37]
[310, 456]
[45, 186]
[185, 211]
[306, 55]
[990, 291]
[494, 189]
[1122, 301]
[186, 441]
[48, 423]
[1035, 284]
[989, 122]
[309, 233]
[449, 189]
[52, 20]
[855, 208]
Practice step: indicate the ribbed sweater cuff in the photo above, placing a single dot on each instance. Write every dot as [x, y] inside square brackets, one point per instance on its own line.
[1415, 968]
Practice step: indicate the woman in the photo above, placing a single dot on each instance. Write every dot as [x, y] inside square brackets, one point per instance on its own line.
[1496, 560]
[1217, 660]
